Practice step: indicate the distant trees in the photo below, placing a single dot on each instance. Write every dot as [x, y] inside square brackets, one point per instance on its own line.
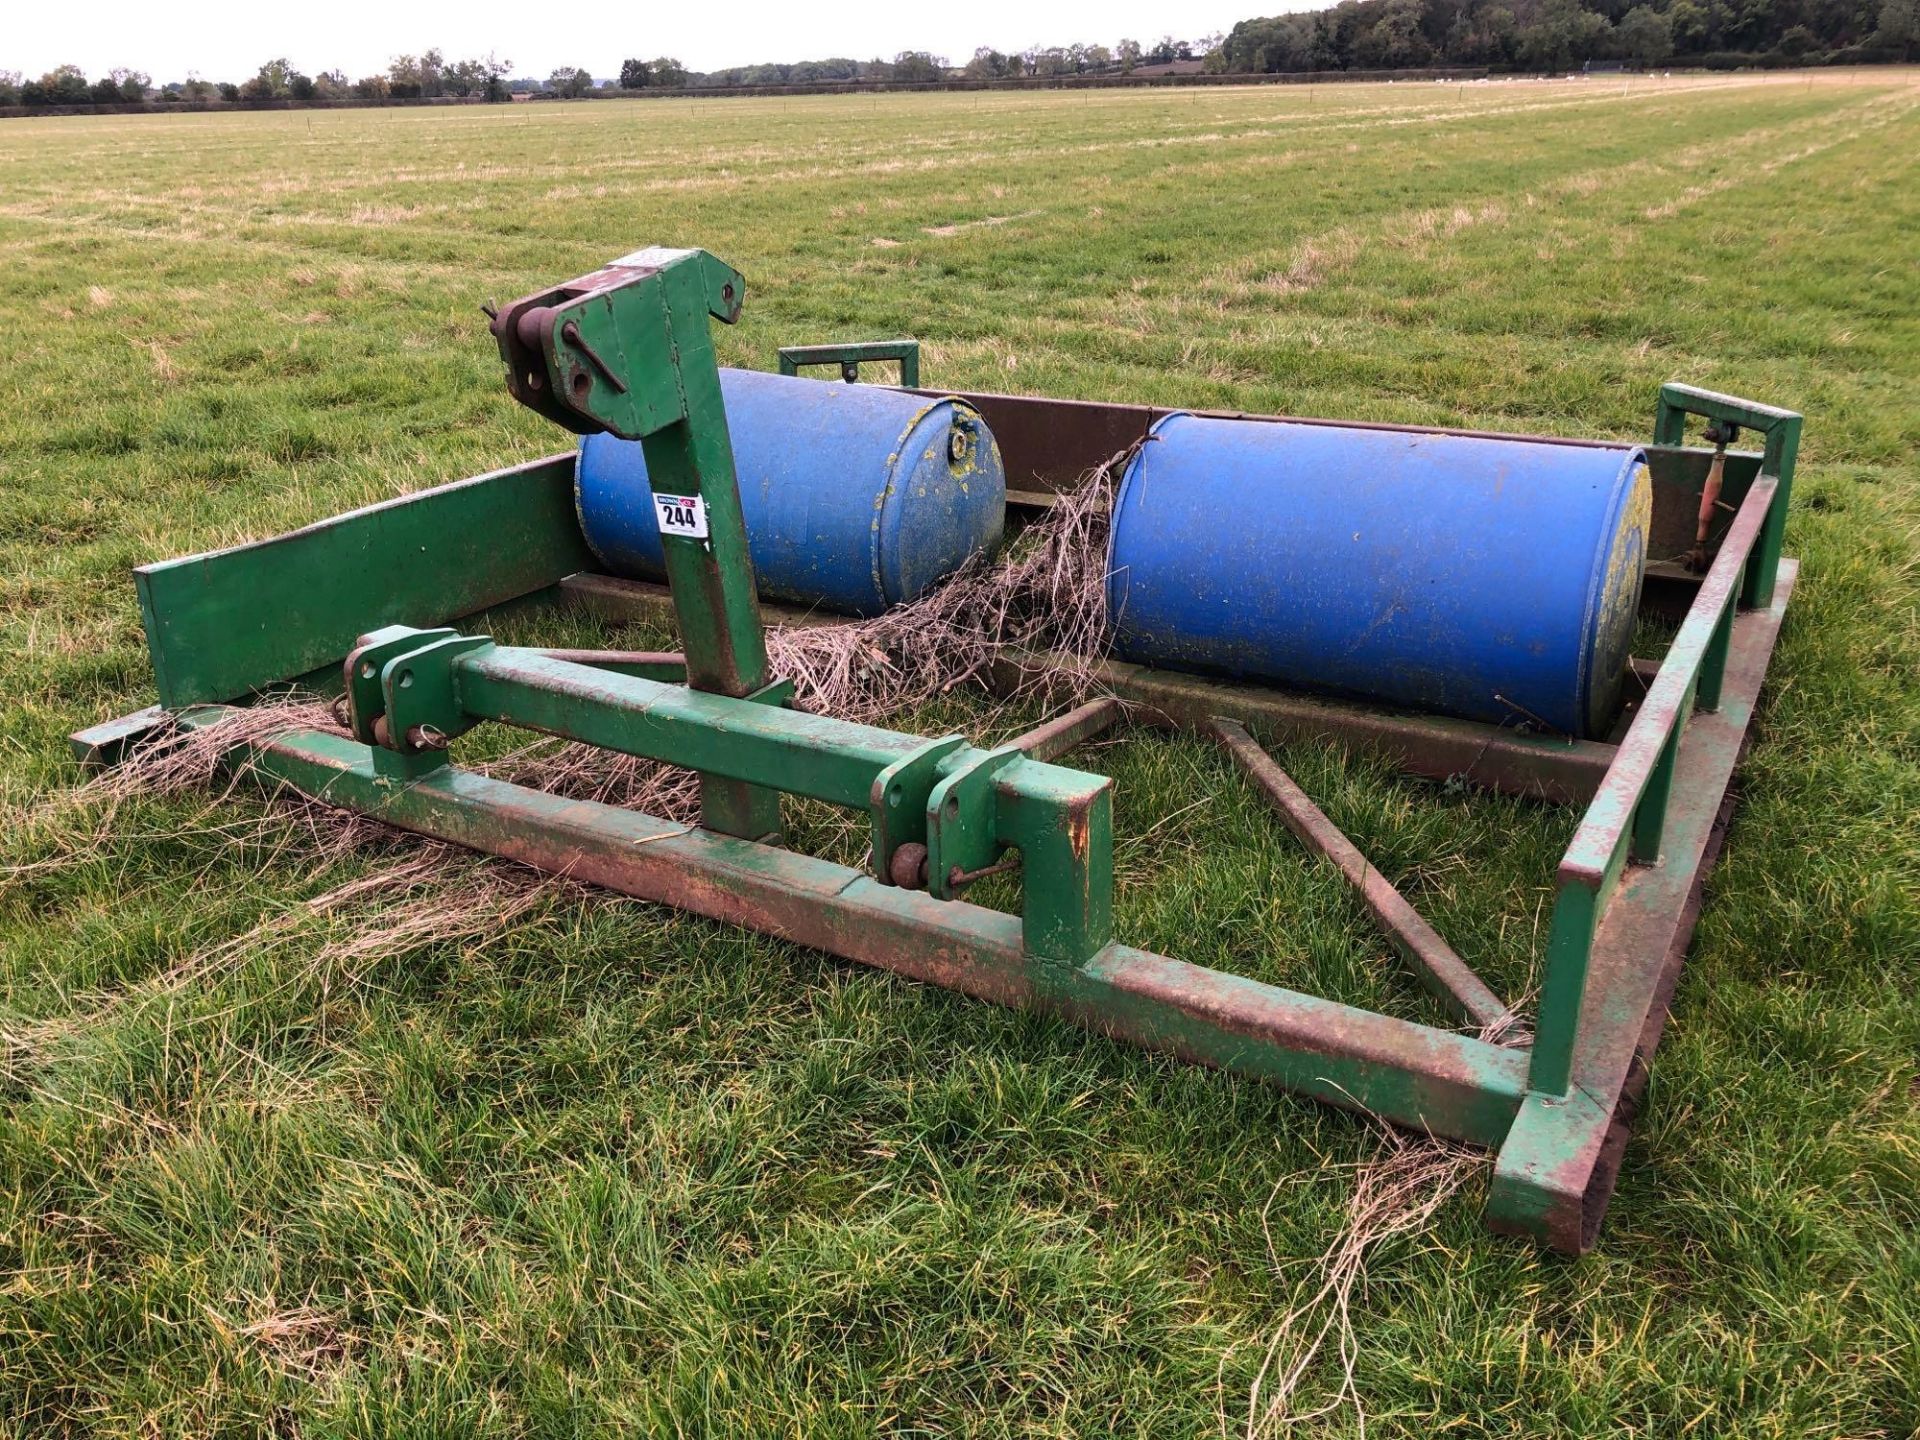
[1899, 27]
[661, 73]
[1566, 34]
[988, 64]
[63, 85]
[485, 77]
[1645, 35]
[416, 77]
[918, 66]
[1525, 35]
[276, 80]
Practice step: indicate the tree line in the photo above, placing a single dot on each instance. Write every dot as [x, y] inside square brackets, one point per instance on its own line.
[409, 77]
[1520, 35]
[921, 66]
[430, 75]
[1550, 35]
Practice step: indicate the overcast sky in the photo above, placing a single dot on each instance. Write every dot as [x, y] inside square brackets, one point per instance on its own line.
[227, 39]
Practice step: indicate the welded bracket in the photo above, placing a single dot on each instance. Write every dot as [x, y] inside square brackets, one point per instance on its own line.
[1782, 431]
[962, 827]
[399, 694]
[899, 809]
[588, 355]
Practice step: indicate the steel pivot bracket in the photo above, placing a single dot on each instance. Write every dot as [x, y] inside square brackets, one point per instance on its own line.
[583, 354]
[899, 809]
[962, 826]
[627, 349]
[850, 357]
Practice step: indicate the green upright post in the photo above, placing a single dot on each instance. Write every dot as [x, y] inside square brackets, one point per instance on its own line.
[715, 601]
[1783, 451]
[627, 349]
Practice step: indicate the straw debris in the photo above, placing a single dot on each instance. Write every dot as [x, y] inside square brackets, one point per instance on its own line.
[1046, 592]
[1396, 1193]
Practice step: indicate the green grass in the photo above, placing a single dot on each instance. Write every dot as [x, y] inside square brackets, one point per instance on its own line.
[613, 1170]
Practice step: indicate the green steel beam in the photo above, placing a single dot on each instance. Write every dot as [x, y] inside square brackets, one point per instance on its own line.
[410, 692]
[802, 754]
[1555, 1173]
[627, 349]
[1426, 1079]
[1627, 817]
[230, 623]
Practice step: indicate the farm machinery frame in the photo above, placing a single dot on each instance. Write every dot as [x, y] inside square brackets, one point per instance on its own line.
[369, 606]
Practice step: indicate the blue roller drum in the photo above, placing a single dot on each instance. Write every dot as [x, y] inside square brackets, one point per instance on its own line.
[1490, 579]
[856, 498]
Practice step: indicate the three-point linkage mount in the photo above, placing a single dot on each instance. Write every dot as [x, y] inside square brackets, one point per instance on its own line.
[627, 350]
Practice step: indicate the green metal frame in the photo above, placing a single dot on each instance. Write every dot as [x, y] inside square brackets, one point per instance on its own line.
[850, 357]
[363, 605]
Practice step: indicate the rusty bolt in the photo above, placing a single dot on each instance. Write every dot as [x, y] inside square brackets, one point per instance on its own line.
[958, 879]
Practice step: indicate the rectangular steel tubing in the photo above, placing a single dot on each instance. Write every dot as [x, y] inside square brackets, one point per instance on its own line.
[1433, 746]
[1538, 767]
[1064, 732]
[802, 754]
[1626, 820]
[1556, 1173]
[1414, 1075]
[795, 358]
[1439, 968]
[1610, 815]
[101, 746]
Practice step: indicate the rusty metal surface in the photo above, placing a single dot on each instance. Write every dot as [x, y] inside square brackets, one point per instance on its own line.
[608, 597]
[1064, 732]
[1439, 968]
[1051, 444]
[1611, 813]
[1555, 1175]
[1435, 747]
[1414, 1075]
[1679, 476]
[103, 745]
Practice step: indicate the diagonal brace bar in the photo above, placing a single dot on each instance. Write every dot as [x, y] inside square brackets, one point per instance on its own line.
[1440, 969]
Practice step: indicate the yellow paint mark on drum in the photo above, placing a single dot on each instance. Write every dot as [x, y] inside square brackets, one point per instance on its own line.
[1619, 600]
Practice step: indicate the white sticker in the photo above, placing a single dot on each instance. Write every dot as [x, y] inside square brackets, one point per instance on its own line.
[681, 515]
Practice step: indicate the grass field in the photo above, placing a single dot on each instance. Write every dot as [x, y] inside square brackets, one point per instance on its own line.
[598, 1169]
